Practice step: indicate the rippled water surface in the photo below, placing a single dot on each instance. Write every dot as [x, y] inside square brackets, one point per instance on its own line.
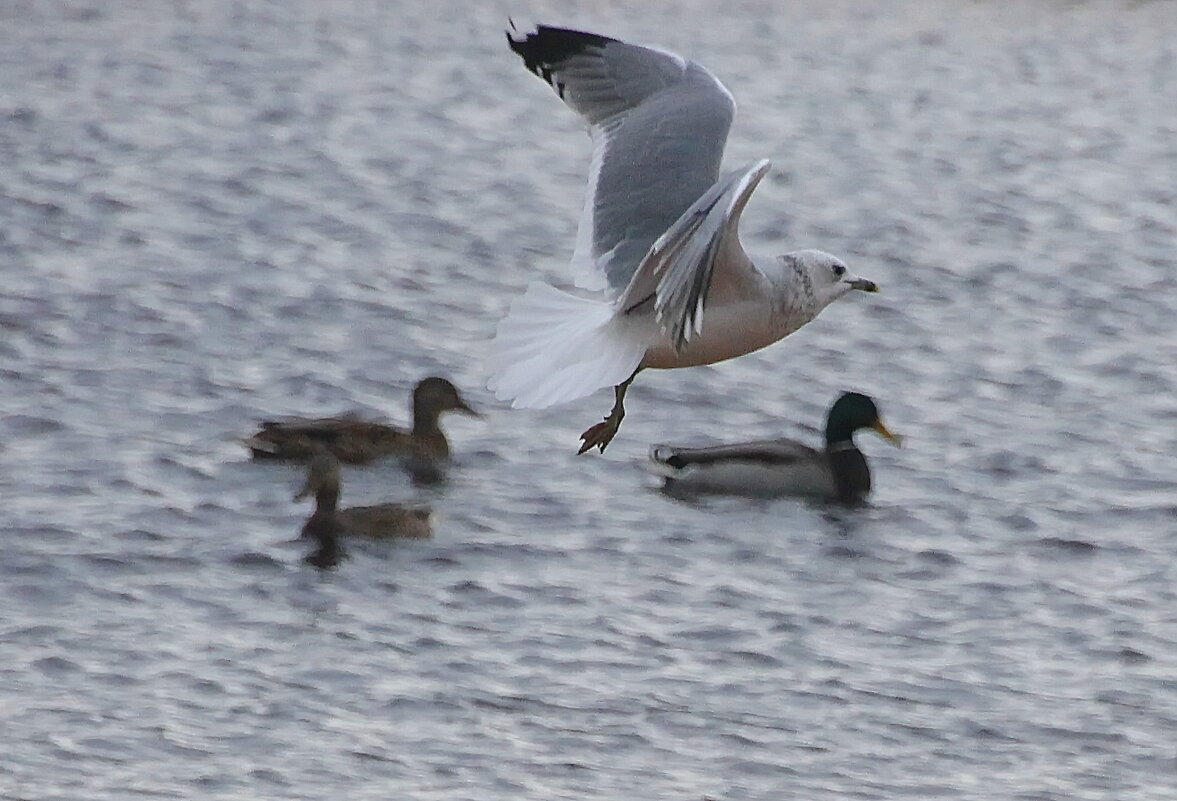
[211, 213]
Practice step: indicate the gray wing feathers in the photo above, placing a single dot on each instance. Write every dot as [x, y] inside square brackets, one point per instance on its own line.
[776, 452]
[659, 124]
[771, 468]
[605, 77]
[681, 264]
[655, 162]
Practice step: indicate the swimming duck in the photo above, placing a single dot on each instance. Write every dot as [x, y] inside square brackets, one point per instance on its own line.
[325, 529]
[782, 466]
[328, 523]
[356, 441]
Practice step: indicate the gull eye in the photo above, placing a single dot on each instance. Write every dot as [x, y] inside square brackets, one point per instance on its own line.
[839, 271]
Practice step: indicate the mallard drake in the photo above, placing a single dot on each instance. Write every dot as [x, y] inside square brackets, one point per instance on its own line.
[328, 523]
[356, 441]
[781, 467]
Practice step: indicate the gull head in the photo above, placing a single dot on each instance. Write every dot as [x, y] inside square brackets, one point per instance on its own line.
[823, 277]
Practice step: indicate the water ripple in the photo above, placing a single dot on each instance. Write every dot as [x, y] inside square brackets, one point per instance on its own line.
[221, 213]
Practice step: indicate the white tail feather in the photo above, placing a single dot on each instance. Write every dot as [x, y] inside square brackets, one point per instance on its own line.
[553, 347]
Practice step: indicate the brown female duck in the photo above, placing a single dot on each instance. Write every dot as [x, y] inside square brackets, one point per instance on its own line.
[356, 441]
[328, 523]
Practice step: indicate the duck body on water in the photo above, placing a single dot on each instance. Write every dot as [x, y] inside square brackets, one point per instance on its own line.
[353, 440]
[781, 467]
[328, 525]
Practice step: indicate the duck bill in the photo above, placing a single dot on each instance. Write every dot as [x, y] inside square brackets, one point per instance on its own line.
[466, 410]
[863, 285]
[883, 432]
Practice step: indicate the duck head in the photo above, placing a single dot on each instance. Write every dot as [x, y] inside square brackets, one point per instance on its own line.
[322, 480]
[435, 395]
[853, 411]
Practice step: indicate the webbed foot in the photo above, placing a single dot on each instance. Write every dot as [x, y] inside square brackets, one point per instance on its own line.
[603, 432]
[600, 435]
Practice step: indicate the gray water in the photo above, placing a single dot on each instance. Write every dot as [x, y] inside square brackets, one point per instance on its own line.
[212, 213]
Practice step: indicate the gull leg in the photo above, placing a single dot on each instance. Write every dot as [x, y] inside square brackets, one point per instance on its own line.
[603, 432]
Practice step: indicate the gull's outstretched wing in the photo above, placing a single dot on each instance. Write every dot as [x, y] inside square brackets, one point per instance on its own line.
[658, 124]
[700, 253]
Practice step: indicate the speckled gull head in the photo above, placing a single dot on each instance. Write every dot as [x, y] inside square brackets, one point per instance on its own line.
[819, 277]
[658, 237]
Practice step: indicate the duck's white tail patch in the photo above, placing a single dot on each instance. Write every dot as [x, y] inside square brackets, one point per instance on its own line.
[658, 461]
[553, 347]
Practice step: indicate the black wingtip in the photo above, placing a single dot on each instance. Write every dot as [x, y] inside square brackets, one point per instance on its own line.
[547, 47]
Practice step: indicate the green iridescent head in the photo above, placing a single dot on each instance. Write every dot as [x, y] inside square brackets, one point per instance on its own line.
[853, 411]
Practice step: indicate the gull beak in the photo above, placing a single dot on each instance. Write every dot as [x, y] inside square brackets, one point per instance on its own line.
[863, 284]
[894, 439]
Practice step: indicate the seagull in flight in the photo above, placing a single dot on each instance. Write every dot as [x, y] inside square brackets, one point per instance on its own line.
[658, 240]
